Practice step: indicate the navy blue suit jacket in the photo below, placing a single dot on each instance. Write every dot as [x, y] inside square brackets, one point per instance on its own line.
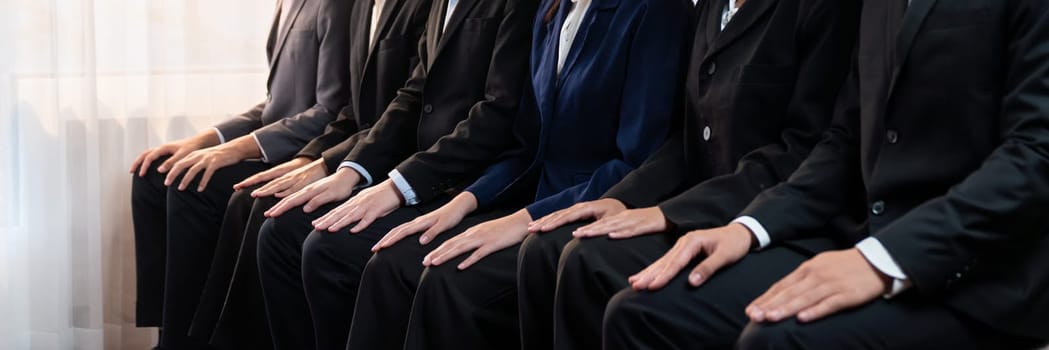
[610, 108]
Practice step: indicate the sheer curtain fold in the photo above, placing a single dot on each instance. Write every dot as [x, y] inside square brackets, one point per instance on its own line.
[85, 85]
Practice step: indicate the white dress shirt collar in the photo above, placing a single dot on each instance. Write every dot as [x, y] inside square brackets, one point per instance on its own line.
[569, 30]
[376, 16]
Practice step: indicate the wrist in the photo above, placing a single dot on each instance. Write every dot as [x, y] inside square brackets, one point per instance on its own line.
[742, 230]
[205, 139]
[465, 202]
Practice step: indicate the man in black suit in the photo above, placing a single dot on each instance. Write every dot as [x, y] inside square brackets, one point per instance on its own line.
[383, 35]
[175, 229]
[451, 120]
[941, 144]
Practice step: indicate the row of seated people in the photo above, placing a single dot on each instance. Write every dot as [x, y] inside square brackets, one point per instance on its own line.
[615, 174]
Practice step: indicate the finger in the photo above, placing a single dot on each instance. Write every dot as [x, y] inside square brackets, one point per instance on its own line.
[672, 267]
[190, 175]
[549, 222]
[396, 235]
[451, 251]
[137, 162]
[146, 162]
[477, 255]
[286, 204]
[537, 225]
[366, 220]
[291, 188]
[641, 280]
[270, 188]
[176, 170]
[430, 234]
[209, 171]
[759, 308]
[612, 225]
[801, 297]
[826, 307]
[353, 215]
[318, 198]
[706, 268]
[569, 217]
[254, 180]
[775, 305]
[780, 285]
[167, 164]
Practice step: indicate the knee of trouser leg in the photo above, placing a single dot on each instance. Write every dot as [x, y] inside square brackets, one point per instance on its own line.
[242, 198]
[439, 277]
[768, 336]
[622, 313]
[535, 248]
[317, 250]
[580, 256]
[143, 189]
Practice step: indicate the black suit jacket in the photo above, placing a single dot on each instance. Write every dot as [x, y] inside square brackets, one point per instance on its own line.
[456, 113]
[377, 71]
[308, 82]
[758, 96]
[946, 128]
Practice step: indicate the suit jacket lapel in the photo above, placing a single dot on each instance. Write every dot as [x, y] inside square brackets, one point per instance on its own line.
[283, 32]
[584, 30]
[912, 21]
[461, 11]
[433, 30]
[271, 40]
[744, 19]
[391, 7]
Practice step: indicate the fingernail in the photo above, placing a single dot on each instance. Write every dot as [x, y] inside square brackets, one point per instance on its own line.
[775, 315]
[757, 314]
[424, 240]
[804, 316]
[695, 278]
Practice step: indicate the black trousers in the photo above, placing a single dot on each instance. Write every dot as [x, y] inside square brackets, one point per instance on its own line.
[711, 317]
[403, 305]
[185, 227]
[279, 256]
[310, 279]
[537, 270]
[566, 283]
[231, 312]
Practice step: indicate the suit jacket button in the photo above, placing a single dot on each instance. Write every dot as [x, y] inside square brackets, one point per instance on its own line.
[428, 108]
[892, 136]
[706, 134]
[712, 68]
[878, 208]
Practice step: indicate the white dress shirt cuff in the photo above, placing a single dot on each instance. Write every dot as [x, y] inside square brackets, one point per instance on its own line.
[404, 187]
[360, 170]
[879, 257]
[756, 229]
[222, 138]
[265, 158]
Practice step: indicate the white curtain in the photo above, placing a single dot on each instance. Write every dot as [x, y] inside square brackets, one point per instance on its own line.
[84, 86]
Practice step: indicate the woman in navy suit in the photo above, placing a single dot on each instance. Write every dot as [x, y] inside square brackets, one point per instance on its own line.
[605, 82]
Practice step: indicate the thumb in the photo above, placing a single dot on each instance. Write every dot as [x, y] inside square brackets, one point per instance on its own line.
[715, 260]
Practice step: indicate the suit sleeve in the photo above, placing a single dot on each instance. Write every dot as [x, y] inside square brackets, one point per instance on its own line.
[336, 132]
[647, 110]
[482, 137]
[242, 124]
[283, 139]
[393, 137]
[1003, 201]
[828, 33]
